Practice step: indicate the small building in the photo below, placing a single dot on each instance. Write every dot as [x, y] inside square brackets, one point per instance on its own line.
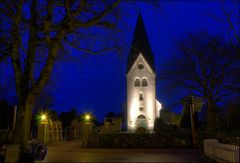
[112, 124]
[171, 117]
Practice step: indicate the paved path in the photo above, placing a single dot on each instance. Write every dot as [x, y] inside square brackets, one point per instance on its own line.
[72, 152]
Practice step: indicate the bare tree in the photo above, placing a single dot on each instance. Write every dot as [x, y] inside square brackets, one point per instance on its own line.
[40, 31]
[231, 18]
[205, 65]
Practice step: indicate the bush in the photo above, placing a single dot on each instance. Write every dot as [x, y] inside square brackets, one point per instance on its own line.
[149, 140]
[225, 137]
[161, 126]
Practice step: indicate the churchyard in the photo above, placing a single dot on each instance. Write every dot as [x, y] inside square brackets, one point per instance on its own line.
[165, 87]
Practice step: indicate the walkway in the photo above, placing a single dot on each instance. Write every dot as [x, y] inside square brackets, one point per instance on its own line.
[72, 152]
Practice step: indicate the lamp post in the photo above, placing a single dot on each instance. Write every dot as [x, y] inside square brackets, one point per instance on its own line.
[87, 118]
[43, 132]
[86, 128]
[191, 104]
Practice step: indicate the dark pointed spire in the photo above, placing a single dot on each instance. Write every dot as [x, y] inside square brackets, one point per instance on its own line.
[139, 44]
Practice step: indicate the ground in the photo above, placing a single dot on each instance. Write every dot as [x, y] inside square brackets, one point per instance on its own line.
[72, 152]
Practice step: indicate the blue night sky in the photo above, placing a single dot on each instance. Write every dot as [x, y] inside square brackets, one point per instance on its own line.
[98, 83]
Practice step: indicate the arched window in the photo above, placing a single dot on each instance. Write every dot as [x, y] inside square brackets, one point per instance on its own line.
[144, 82]
[137, 83]
[141, 117]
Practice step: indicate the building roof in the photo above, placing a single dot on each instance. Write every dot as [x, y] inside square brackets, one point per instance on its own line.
[139, 44]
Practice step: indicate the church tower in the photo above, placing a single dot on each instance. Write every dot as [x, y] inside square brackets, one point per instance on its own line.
[142, 107]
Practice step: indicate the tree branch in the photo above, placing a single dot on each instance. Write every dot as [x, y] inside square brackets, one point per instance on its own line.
[14, 53]
[7, 10]
[89, 51]
[3, 57]
[106, 24]
[96, 19]
[48, 66]
[31, 53]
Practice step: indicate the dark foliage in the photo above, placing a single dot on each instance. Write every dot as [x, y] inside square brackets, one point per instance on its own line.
[67, 117]
[186, 119]
[110, 115]
[160, 126]
[134, 140]
[207, 66]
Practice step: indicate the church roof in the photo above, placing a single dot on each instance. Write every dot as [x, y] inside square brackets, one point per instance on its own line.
[139, 44]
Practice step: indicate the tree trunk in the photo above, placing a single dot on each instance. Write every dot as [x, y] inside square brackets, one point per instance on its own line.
[211, 116]
[22, 129]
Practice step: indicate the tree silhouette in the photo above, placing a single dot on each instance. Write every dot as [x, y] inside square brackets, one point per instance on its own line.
[67, 117]
[37, 32]
[207, 66]
[110, 115]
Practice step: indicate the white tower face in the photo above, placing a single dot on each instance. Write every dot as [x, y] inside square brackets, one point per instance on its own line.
[141, 95]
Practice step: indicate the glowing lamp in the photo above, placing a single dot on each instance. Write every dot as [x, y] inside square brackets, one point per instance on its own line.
[87, 117]
[43, 117]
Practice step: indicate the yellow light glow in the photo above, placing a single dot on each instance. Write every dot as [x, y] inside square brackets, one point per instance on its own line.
[43, 117]
[87, 117]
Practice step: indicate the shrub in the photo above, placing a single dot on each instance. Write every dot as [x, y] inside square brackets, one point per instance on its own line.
[161, 126]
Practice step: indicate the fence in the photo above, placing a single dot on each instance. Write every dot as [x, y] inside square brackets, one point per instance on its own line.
[221, 152]
[69, 134]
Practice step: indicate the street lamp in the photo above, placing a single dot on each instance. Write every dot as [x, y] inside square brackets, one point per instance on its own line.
[43, 132]
[87, 117]
[43, 117]
[192, 103]
[195, 105]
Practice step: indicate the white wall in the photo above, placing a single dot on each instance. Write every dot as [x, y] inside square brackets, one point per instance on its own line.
[149, 95]
[158, 108]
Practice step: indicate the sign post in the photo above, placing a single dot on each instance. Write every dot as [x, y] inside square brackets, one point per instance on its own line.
[191, 102]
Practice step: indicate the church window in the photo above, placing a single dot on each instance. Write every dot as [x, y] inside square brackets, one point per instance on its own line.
[137, 82]
[141, 117]
[140, 97]
[144, 82]
[140, 108]
[140, 66]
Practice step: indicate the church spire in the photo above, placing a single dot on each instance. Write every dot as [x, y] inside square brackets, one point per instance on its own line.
[139, 44]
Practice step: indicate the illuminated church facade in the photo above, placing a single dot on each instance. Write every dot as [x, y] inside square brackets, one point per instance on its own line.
[142, 106]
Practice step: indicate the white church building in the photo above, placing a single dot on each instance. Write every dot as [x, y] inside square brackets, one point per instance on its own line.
[142, 106]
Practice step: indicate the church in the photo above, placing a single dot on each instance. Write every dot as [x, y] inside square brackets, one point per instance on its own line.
[142, 106]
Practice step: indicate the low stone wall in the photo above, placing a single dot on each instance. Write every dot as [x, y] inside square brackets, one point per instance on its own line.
[133, 140]
[221, 152]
